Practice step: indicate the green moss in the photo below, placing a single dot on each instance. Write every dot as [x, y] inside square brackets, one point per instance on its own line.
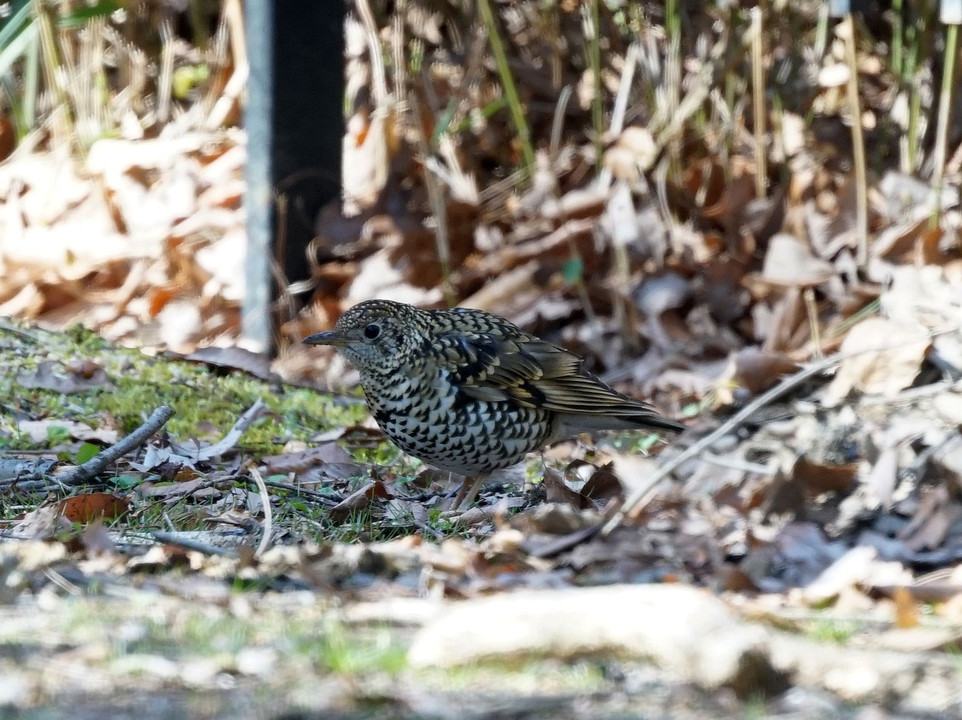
[384, 455]
[302, 414]
[223, 633]
[832, 630]
[83, 340]
[207, 404]
[344, 651]
[327, 644]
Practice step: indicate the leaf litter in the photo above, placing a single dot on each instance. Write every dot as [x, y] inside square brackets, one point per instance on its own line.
[833, 508]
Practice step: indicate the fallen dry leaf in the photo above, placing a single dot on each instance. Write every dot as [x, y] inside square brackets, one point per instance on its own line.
[39, 431]
[757, 370]
[360, 499]
[882, 371]
[819, 477]
[930, 525]
[93, 506]
[603, 485]
[328, 452]
[557, 491]
[67, 380]
[41, 524]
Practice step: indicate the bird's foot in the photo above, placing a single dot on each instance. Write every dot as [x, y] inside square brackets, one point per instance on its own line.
[467, 493]
[468, 517]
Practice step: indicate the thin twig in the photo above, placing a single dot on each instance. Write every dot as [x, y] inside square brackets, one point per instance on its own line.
[312, 494]
[233, 435]
[639, 496]
[268, 513]
[99, 462]
[63, 583]
[173, 538]
[27, 483]
[912, 394]
[21, 332]
[734, 421]
[812, 309]
[557, 123]
[735, 464]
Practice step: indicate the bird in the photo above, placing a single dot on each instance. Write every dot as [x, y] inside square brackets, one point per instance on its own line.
[469, 392]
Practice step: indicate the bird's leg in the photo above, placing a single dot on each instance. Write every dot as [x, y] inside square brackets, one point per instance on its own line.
[467, 498]
[459, 497]
[467, 492]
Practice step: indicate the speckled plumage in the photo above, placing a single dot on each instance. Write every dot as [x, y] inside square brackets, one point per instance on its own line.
[468, 391]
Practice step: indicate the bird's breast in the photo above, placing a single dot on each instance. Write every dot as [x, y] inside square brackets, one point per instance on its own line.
[431, 418]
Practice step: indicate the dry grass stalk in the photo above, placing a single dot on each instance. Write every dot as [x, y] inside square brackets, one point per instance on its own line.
[758, 101]
[847, 28]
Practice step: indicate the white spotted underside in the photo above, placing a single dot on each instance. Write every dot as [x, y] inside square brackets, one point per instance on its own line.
[439, 424]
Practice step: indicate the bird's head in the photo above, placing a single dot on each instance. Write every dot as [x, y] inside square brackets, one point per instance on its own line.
[376, 336]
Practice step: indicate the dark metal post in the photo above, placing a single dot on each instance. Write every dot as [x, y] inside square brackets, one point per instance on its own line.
[295, 126]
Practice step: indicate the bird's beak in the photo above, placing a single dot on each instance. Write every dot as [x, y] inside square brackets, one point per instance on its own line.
[331, 337]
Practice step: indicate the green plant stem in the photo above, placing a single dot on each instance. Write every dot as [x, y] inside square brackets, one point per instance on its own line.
[897, 31]
[858, 144]
[49, 52]
[507, 83]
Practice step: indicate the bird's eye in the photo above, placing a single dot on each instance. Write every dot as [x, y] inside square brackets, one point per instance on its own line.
[372, 331]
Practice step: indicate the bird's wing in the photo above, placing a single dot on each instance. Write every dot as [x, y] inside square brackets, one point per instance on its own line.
[532, 373]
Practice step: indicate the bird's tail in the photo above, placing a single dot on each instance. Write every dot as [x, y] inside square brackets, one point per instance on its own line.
[624, 420]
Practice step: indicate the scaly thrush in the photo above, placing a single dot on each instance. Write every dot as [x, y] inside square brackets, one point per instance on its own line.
[470, 392]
